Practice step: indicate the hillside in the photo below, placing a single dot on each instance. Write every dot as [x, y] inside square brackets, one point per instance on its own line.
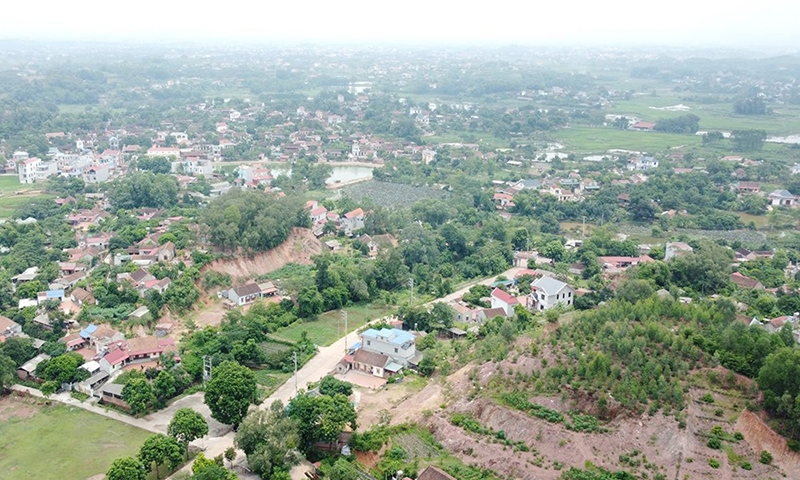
[299, 247]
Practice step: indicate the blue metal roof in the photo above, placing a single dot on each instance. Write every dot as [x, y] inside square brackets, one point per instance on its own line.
[55, 293]
[88, 331]
[392, 335]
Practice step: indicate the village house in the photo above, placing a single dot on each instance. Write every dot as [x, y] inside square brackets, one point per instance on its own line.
[28, 369]
[398, 345]
[746, 282]
[244, 294]
[782, 198]
[432, 472]
[675, 249]
[504, 300]
[352, 221]
[373, 363]
[9, 328]
[103, 338]
[748, 187]
[547, 292]
[623, 263]
[136, 350]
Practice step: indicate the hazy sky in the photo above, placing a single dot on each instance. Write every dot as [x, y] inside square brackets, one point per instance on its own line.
[571, 22]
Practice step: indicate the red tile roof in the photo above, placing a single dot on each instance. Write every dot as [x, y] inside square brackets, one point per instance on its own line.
[504, 297]
[355, 213]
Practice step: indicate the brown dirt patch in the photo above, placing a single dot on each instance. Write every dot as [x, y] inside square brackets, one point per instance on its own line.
[761, 437]
[298, 248]
[18, 405]
[657, 437]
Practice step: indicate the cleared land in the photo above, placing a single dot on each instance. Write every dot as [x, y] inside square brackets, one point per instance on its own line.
[329, 326]
[13, 194]
[600, 139]
[85, 444]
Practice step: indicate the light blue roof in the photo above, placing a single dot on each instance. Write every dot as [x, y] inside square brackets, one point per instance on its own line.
[392, 335]
[88, 331]
[393, 367]
[55, 293]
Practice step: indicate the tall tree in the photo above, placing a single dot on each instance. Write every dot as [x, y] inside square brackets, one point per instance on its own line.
[186, 426]
[229, 392]
[138, 394]
[270, 440]
[7, 372]
[126, 468]
[321, 418]
[159, 449]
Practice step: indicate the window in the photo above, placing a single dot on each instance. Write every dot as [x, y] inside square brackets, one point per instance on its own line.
[369, 343]
[570, 294]
[395, 349]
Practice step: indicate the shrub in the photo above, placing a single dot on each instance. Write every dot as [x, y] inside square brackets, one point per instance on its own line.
[765, 458]
[793, 445]
[718, 412]
[713, 463]
[707, 398]
[715, 443]
[738, 436]
[746, 466]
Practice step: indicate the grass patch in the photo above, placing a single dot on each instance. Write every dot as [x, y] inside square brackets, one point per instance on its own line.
[600, 139]
[78, 444]
[269, 380]
[329, 327]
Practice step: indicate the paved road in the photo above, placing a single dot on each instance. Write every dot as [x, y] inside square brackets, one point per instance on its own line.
[220, 436]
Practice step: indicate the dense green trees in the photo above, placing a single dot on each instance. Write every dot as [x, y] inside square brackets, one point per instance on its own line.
[8, 372]
[321, 418]
[748, 140]
[750, 106]
[144, 189]
[330, 386]
[779, 379]
[229, 392]
[270, 439]
[251, 220]
[154, 164]
[688, 123]
[139, 395]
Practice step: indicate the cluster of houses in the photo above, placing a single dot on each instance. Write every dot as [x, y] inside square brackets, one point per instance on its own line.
[106, 352]
[87, 165]
[349, 223]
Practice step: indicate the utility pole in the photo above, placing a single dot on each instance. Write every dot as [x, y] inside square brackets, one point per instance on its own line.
[411, 285]
[583, 229]
[206, 368]
[344, 317]
[294, 355]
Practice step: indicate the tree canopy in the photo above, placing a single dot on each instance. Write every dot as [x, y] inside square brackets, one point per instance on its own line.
[251, 220]
[230, 391]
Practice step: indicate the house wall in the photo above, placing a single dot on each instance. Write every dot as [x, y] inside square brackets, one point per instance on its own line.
[396, 352]
[115, 401]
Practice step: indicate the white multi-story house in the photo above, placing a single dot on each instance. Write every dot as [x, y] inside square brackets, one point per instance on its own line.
[547, 292]
[398, 345]
[28, 170]
[166, 152]
[353, 221]
[96, 174]
[45, 170]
